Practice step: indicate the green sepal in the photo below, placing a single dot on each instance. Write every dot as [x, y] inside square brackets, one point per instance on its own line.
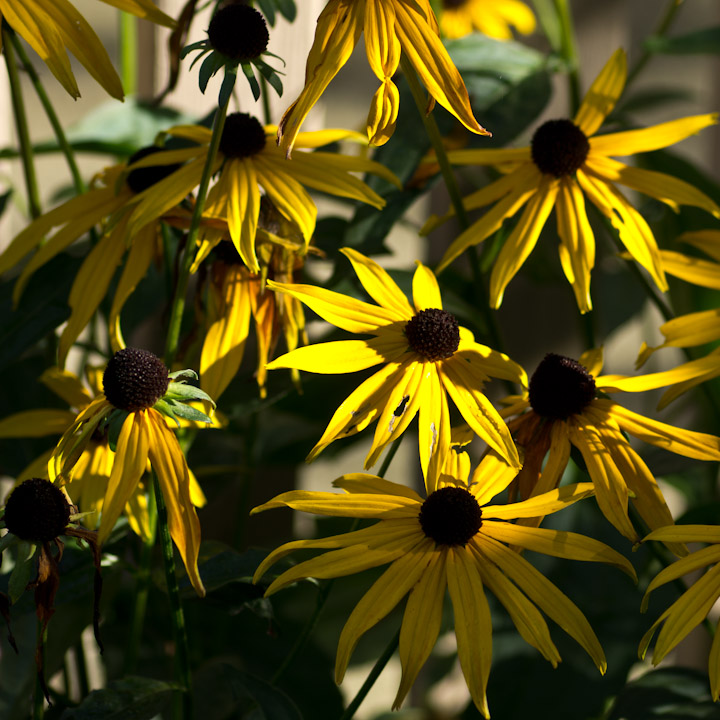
[188, 412]
[187, 373]
[166, 407]
[78, 516]
[270, 74]
[247, 69]
[228, 84]
[193, 46]
[181, 391]
[23, 571]
[6, 541]
[114, 425]
[210, 66]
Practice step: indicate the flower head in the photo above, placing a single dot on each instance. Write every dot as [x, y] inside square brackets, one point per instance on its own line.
[391, 27]
[566, 164]
[425, 356]
[494, 18]
[51, 27]
[568, 405]
[451, 539]
[133, 410]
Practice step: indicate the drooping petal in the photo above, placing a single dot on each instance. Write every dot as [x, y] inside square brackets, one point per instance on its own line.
[421, 622]
[66, 385]
[385, 593]
[423, 48]
[243, 208]
[631, 142]
[521, 242]
[378, 284]
[433, 428]
[338, 29]
[342, 311]
[554, 603]
[129, 466]
[383, 112]
[36, 423]
[168, 461]
[473, 623]
[600, 99]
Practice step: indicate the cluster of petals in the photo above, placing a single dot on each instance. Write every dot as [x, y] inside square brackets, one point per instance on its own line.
[494, 18]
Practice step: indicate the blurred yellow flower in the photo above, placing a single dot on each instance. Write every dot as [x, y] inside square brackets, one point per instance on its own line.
[494, 18]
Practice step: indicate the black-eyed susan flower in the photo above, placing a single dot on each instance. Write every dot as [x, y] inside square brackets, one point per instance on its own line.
[697, 328]
[237, 298]
[109, 205]
[247, 162]
[426, 357]
[494, 18]
[391, 27]
[36, 515]
[451, 539]
[567, 405]
[693, 606]
[565, 164]
[87, 481]
[52, 27]
[138, 397]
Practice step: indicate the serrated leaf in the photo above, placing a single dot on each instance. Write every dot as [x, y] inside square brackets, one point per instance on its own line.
[23, 570]
[135, 698]
[273, 703]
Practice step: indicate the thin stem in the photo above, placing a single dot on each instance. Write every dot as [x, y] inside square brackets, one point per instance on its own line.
[82, 669]
[379, 666]
[51, 114]
[182, 650]
[38, 712]
[568, 49]
[178, 308]
[265, 96]
[662, 28]
[128, 41]
[26, 150]
[142, 587]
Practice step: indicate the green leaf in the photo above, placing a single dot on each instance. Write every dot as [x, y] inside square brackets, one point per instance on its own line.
[180, 391]
[188, 412]
[252, 80]
[181, 374]
[287, 9]
[698, 42]
[131, 698]
[228, 84]
[23, 570]
[267, 8]
[115, 422]
[212, 63]
[273, 703]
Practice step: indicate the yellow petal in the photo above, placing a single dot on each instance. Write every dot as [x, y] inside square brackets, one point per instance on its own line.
[382, 116]
[691, 269]
[372, 484]
[433, 429]
[426, 291]
[36, 423]
[545, 504]
[143, 9]
[67, 386]
[603, 94]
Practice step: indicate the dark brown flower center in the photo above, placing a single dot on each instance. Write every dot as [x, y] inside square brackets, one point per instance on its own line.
[450, 516]
[453, 4]
[142, 178]
[135, 379]
[559, 147]
[433, 333]
[37, 511]
[560, 387]
[243, 136]
[239, 32]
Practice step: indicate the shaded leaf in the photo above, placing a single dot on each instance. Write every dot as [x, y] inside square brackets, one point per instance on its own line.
[698, 42]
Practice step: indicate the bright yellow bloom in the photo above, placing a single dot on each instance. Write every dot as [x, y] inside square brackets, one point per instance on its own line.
[694, 604]
[565, 164]
[425, 358]
[567, 406]
[141, 435]
[51, 27]
[494, 18]
[695, 328]
[451, 539]
[391, 27]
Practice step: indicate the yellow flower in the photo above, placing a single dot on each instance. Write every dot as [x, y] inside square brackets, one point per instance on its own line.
[565, 164]
[88, 479]
[567, 405]
[235, 296]
[425, 356]
[450, 539]
[695, 328]
[391, 27]
[491, 17]
[246, 162]
[51, 27]
[135, 383]
[694, 604]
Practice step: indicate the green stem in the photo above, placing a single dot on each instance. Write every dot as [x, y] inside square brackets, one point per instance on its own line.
[182, 650]
[379, 666]
[26, 150]
[265, 96]
[662, 28]
[142, 587]
[39, 696]
[178, 308]
[82, 669]
[128, 41]
[568, 49]
[51, 114]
